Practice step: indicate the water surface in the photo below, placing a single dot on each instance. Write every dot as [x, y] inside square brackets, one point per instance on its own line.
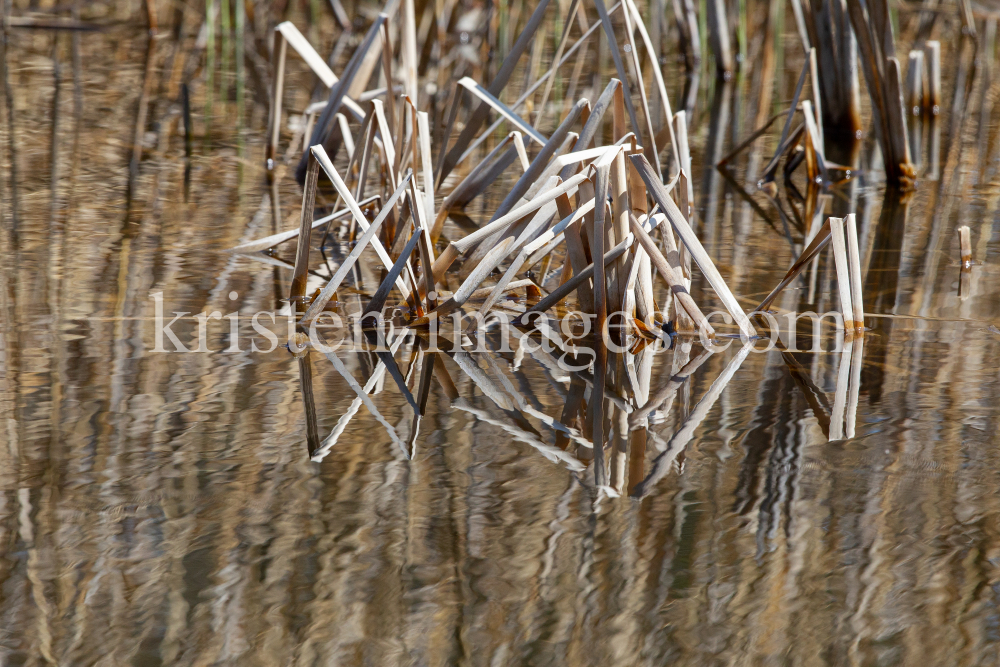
[163, 508]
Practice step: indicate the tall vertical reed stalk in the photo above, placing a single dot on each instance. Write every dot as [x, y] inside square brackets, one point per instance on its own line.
[209, 63]
[825, 26]
[240, 74]
[873, 28]
[225, 32]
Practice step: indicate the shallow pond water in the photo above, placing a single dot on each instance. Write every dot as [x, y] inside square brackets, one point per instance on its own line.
[163, 508]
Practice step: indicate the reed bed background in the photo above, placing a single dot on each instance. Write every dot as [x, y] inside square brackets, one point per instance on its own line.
[163, 508]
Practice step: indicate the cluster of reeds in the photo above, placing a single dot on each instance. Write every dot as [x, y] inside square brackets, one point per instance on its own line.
[588, 221]
[833, 33]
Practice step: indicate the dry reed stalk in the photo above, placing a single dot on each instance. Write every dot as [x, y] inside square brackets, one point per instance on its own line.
[556, 165]
[477, 180]
[965, 244]
[427, 172]
[544, 78]
[523, 185]
[388, 147]
[829, 43]
[377, 302]
[815, 162]
[268, 242]
[567, 288]
[662, 197]
[658, 77]
[684, 155]
[361, 159]
[649, 145]
[914, 82]
[932, 96]
[457, 248]
[855, 259]
[800, 25]
[915, 75]
[843, 271]
[492, 259]
[718, 39]
[575, 250]
[817, 243]
[501, 108]
[759, 132]
[645, 301]
[619, 222]
[300, 274]
[609, 32]
[597, 239]
[543, 216]
[687, 24]
[591, 127]
[772, 165]
[290, 34]
[286, 34]
[409, 53]
[816, 96]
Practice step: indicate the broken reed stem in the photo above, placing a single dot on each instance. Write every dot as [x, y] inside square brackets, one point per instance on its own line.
[817, 102]
[855, 258]
[914, 82]
[843, 271]
[301, 273]
[276, 96]
[932, 97]
[457, 248]
[268, 242]
[965, 243]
